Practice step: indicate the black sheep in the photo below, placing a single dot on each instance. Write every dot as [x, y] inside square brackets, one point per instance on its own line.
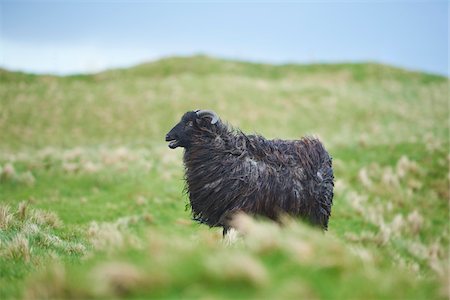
[228, 171]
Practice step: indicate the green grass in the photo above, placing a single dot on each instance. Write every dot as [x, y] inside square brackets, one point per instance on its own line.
[92, 203]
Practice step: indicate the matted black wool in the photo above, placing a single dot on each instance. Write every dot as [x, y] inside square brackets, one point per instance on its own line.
[228, 171]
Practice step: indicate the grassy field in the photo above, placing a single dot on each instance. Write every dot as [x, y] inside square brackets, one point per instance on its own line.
[91, 201]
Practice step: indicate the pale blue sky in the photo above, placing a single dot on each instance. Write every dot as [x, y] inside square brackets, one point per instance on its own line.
[83, 36]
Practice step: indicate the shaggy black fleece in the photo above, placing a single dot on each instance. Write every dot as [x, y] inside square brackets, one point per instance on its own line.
[228, 171]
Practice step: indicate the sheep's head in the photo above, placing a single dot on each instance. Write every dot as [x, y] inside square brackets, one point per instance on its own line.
[181, 134]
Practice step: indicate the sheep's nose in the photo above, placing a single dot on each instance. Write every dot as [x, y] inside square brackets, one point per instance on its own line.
[167, 137]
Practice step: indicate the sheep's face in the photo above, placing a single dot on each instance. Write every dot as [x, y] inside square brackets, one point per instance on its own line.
[192, 123]
[181, 134]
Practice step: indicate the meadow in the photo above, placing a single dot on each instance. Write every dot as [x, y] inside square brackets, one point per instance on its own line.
[92, 202]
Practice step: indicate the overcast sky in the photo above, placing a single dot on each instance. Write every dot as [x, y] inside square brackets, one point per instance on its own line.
[83, 36]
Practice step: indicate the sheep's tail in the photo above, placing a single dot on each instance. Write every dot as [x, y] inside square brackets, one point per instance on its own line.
[323, 195]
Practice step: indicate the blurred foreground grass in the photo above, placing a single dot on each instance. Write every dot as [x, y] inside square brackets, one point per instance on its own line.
[92, 203]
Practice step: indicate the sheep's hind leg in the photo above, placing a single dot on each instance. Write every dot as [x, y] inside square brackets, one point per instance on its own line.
[225, 231]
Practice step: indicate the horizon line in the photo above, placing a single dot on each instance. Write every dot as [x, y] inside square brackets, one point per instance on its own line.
[218, 57]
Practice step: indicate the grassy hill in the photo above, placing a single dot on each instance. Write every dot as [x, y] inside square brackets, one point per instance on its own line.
[91, 202]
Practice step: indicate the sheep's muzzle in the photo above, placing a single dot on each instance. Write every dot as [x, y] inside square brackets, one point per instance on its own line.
[173, 142]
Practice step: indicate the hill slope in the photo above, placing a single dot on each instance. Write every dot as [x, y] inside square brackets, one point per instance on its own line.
[91, 197]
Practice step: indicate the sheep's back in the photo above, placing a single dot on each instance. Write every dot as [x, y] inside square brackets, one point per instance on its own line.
[298, 176]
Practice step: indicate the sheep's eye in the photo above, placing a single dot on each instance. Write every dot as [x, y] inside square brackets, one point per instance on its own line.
[189, 124]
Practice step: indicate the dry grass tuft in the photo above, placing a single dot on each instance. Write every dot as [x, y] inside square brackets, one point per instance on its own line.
[46, 218]
[34, 228]
[110, 236]
[303, 245]
[70, 167]
[27, 178]
[431, 142]
[434, 257]
[6, 218]
[244, 224]
[50, 284]
[116, 278]
[384, 235]
[22, 210]
[364, 178]
[148, 218]
[364, 254]
[8, 172]
[415, 222]
[50, 240]
[390, 178]
[405, 166]
[357, 201]
[90, 167]
[231, 237]
[237, 267]
[296, 289]
[141, 200]
[73, 154]
[397, 224]
[105, 236]
[18, 248]
[260, 237]
[30, 229]
[301, 250]
[340, 186]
